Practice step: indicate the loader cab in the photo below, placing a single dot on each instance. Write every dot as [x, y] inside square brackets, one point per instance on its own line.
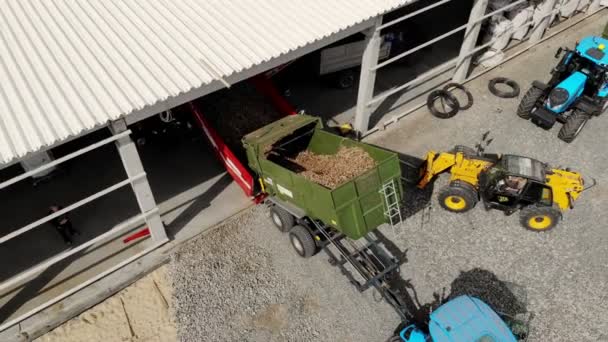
[515, 182]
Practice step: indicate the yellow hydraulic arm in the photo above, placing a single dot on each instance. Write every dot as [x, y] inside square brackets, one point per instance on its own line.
[566, 187]
[461, 167]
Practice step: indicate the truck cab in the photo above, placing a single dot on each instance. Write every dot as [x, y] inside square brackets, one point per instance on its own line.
[462, 319]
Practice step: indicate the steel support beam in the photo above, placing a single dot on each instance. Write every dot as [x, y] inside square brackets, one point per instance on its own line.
[367, 79]
[539, 30]
[470, 40]
[133, 166]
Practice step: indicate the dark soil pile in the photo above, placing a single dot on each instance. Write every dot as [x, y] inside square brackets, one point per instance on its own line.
[336, 169]
[238, 111]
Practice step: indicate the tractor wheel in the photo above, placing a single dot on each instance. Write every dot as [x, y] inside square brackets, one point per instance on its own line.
[458, 197]
[302, 241]
[528, 103]
[281, 219]
[539, 218]
[573, 126]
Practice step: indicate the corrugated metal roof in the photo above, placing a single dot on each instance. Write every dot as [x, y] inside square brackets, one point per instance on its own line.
[68, 66]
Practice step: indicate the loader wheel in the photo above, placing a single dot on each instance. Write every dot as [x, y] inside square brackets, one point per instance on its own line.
[281, 219]
[528, 103]
[573, 126]
[302, 241]
[539, 218]
[458, 197]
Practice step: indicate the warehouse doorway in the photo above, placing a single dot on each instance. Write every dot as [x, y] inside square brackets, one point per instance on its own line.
[308, 89]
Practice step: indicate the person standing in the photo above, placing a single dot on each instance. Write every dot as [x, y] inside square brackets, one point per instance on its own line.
[63, 225]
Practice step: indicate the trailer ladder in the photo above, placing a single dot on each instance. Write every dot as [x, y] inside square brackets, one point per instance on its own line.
[392, 209]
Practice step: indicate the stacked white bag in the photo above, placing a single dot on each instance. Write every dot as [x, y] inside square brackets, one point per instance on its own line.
[519, 16]
[540, 10]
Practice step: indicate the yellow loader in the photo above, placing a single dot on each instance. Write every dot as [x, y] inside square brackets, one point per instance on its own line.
[505, 182]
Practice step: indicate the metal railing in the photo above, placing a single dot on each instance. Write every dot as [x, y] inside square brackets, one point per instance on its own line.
[18, 280]
[464, 54]
[452, 63]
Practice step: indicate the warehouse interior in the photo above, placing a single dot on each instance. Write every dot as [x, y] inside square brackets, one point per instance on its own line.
[316, 95]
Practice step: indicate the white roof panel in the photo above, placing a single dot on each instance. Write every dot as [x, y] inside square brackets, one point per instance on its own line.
[69, 66]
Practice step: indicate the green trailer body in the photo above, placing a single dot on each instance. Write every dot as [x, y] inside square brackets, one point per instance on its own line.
[353, 208]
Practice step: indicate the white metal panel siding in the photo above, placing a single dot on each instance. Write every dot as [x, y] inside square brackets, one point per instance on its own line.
[67, 66]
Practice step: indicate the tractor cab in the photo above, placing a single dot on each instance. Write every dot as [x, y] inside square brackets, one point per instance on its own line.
[463, 318]
[581, 72]
[577, 91]
[515, 182]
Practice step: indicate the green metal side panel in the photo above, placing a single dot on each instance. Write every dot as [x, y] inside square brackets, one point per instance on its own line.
[354, 208]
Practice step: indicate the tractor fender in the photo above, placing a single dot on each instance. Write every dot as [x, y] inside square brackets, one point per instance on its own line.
[588, 106]
[540, 85]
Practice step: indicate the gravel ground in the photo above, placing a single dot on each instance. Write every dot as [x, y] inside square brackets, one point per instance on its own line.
[243, 282]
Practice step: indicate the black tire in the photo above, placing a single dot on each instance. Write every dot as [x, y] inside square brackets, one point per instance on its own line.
[453, 85]
[281, 219]
[458, 197]
[539, 219]
[528, 103]
[345, 79]
[450, 99]
[504, 94]
[467, 151]
[573, 126]
[302, 241]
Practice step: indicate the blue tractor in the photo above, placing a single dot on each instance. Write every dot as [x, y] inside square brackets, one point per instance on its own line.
[462, 319]
[578, 89]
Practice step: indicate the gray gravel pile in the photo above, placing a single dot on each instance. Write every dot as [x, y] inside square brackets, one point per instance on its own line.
[243, 282]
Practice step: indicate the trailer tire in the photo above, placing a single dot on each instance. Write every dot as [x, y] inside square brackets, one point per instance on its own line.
[573, 126]
[528, 103]
[458, 197]
[539, 219]
[450, 99]
[302, 241]
[453, 85]
[281, 219]
[504, 94]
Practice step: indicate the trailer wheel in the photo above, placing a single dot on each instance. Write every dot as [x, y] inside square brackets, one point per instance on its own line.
[573, 126]
[539, 219]
[281, 219]
[527, 104]
[302, 241]
[458, 197]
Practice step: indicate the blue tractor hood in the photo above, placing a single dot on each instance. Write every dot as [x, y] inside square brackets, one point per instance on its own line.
[564, 95]
[594, 49]
[467, 318]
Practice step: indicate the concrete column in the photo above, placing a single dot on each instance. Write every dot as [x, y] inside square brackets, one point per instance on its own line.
[538, 30]
[470, 40]
[133, 166]
[367, 79]
[594, 6]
